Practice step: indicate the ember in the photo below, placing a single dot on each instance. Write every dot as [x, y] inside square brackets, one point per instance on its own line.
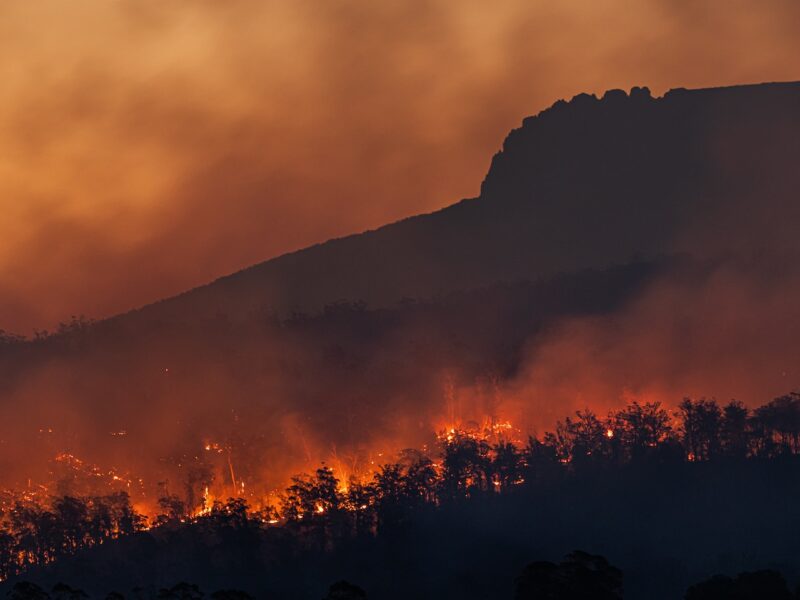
[486, 459]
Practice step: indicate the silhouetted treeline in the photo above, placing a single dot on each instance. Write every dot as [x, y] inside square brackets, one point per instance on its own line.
[580, 576]
[757, 585]
[32, 534]
[321, 511]
[470, 464]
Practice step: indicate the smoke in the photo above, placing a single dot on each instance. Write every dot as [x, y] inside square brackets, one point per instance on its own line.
[725, 326]
[728, 333]
[180, 408]
[152, 146]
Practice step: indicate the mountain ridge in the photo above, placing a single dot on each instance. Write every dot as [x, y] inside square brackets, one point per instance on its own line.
[415, 256]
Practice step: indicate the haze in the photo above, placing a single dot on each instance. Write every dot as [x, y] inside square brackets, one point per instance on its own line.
[151, 146]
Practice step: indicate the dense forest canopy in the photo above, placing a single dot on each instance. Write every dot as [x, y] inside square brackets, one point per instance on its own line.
[469, 471]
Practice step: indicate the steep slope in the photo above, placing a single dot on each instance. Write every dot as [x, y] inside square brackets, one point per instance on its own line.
[588, 183]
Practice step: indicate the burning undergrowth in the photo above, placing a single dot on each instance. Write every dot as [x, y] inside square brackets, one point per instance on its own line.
[328, 505]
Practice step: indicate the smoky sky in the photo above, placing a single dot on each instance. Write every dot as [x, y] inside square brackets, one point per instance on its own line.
[150, 146]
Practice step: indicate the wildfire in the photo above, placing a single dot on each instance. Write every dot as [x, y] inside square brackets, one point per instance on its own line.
[202, 481]
[207, 505]
[214, 447]
[490, 430]
[485, 458]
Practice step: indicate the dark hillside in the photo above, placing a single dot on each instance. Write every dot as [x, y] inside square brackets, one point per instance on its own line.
[588, 183]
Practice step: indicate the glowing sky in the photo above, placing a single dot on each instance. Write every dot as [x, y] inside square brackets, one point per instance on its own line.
[147, 146]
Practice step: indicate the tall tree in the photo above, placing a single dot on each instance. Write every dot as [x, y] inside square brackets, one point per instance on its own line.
[642, 427]
[507, 465]
[734, 437]
[701, 428]
[466, 465]
[778, 423]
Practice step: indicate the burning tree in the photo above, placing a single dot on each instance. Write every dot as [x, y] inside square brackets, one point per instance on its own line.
[321, 509]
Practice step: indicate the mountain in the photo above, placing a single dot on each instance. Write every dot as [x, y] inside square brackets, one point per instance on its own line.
[589, 183]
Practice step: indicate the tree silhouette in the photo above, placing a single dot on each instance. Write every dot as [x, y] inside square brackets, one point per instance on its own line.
[734, 436]
[506, 466]
[343, 590]
[466, 465]
[7, 554]
[642, 427]
[313, 505]
[25, 590]
[181, 591]
[759, 585]
[173, 509]
[420, 481]
[587, 438]
[701, 428]
[389, 494]
[541, 463]
[62, 591]
[72, 517]
[718, 587]
[36, 532]
[539, 580]
[360, 503]
[580, 576]
[778, 425]
[591, 576]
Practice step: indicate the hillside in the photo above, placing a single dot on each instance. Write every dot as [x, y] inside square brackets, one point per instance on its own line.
[588, 183]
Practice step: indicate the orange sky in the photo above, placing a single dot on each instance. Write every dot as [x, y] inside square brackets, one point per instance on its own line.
[147, 146]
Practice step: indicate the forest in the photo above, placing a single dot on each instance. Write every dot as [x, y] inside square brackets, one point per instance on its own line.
[587, 463]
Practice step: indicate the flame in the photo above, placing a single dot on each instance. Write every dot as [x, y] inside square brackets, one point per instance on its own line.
[222, 477]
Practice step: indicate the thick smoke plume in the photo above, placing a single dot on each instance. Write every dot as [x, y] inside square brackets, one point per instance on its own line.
[150, 147]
